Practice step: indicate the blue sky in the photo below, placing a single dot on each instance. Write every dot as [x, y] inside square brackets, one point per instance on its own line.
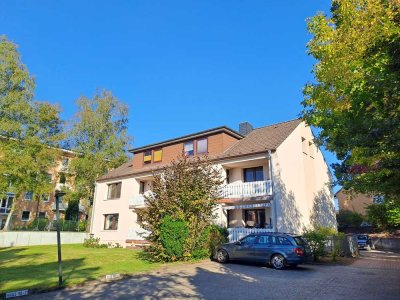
[181, 66]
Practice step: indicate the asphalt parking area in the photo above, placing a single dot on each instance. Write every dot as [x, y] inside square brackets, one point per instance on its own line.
[375, 275]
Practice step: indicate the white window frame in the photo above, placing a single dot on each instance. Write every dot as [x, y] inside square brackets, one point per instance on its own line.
[108, 190]
[27, 199]
[22, 213]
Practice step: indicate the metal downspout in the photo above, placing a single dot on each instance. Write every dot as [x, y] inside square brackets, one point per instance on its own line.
[274, 219]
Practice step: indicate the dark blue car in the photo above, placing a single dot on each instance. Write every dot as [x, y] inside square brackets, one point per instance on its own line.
[277, 249]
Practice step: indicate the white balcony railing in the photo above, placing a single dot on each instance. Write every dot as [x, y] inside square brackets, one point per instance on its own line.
[247, 189]
[136, 201]
[235, 234]
[62, 186]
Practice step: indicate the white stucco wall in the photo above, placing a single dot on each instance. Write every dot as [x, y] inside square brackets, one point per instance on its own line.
[127, 217]
[303, 196]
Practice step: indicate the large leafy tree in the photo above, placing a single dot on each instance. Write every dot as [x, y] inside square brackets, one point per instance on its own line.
[181, 207]
[29, 130]
[355, 101]
[99, 136]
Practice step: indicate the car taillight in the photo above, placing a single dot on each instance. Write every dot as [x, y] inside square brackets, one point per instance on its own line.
[299, 251]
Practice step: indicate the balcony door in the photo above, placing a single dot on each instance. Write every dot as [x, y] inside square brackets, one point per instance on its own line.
[253, 174]
[254, 218]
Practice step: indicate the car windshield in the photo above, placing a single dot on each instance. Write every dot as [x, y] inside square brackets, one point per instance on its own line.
[299, 241]
[362, 237]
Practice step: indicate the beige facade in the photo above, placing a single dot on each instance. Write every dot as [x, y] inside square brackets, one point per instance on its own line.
[276, 179]
[351, 201]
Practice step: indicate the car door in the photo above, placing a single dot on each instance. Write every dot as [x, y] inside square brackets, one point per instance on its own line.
[243, 249]
[262, 248]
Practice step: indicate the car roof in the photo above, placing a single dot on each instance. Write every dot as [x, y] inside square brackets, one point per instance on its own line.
[276, 233]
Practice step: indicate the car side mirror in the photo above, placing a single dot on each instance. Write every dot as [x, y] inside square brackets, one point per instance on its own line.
[238, 243]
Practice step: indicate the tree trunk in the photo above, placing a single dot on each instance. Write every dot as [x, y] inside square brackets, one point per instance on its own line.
[9, 216]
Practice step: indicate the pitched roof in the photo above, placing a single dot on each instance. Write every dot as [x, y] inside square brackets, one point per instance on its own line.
[263, 139]
[257, 141]
[224, 129]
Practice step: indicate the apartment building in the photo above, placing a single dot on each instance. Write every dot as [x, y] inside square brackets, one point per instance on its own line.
[27, 208]
[276, 179]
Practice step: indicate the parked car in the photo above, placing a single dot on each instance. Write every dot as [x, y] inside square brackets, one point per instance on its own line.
[277, 249]
[363, 241]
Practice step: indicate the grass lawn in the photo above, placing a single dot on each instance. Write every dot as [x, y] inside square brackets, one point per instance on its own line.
[36, 266]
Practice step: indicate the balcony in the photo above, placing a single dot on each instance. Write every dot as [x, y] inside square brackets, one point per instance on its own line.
[62, 186]
[136, 201]
[4, 210]
[247, 189]
[61, 206]
[64, 206]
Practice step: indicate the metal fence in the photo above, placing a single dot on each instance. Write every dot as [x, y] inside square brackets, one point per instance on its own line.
[51, 225]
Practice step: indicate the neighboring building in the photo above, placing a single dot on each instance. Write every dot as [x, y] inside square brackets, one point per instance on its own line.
[276, 179]
[27, 209]
[356, 202]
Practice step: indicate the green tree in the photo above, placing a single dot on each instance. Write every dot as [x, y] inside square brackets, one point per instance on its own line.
[99, 136]
[355, 101]
[29, 130]
[184, 192]
[347, 218]
[385, 215]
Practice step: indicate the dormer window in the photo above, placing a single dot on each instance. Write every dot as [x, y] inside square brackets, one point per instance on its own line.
[147, 157]
[202, 146]
[188, 148]
[157, 155]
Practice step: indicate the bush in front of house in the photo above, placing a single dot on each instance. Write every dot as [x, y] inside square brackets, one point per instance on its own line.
[180, 210]
[322, 238]
[346, 218]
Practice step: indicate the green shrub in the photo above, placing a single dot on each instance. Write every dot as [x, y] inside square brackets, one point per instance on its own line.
[317, 239]
[173, 235]
[216, 237]
[91, 242]
[346, 218]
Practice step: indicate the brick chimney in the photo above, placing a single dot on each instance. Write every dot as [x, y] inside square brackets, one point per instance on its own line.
[245, 128]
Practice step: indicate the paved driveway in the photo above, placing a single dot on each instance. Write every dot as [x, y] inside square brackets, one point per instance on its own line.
[374, 276]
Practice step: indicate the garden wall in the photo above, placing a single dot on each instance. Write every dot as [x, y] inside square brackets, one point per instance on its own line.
[391, 244]
[30, 238]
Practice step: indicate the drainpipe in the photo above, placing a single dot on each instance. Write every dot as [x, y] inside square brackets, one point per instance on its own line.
[93, 209]
[274, 218]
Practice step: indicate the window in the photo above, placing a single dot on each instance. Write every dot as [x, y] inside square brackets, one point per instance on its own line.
[378, 199]
[64, 164]
[248, 240]
[63, 178]
[49, 177]
[141, 187]
[114, 190]
[253, 174]
[264, 240]
[25, 215]
[188, 148]
[157, 155]
[45, 197]
[28, 196]
[254, 218]
[227, 176]
[304, 145]
[311, 149]
[111, 222]
[147, 157]
[202, 146]
[280, 240]
[42, 215]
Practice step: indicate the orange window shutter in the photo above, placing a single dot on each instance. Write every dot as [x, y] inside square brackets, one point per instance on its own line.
[157, 155]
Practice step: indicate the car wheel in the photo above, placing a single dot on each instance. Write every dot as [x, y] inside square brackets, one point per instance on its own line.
[222, 256]
[278, 262]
